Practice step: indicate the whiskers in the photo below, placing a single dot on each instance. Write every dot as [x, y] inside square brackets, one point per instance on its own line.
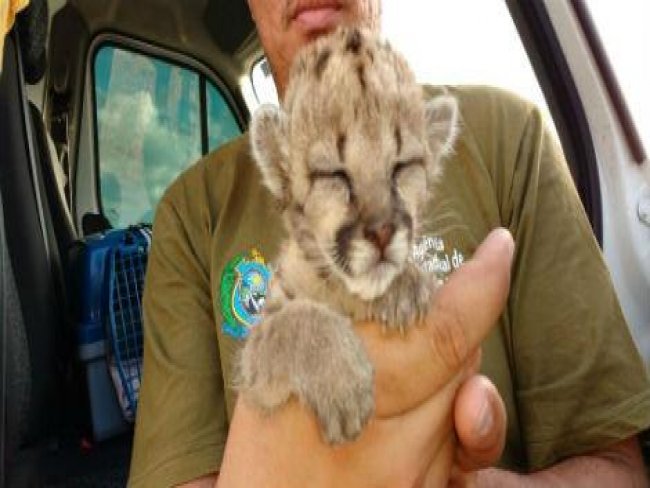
[443, 220]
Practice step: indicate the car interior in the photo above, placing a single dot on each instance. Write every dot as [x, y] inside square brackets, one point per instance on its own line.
[64, 423]
[81, 82]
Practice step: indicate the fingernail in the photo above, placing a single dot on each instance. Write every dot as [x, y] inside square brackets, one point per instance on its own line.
[500, 235]
[503, 235]
[485, 419]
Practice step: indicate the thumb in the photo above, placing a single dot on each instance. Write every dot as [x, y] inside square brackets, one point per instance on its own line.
[466, 307]
[462, 313]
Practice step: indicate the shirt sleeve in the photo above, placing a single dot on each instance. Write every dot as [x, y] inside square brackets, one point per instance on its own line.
[181, 422]
[580, 383]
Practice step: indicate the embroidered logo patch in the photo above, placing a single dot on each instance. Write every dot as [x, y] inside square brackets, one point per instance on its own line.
[244, 284]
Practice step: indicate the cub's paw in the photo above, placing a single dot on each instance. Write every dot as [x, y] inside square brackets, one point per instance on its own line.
[343, 400]
[307, 350]
[260, 376]
[406, 302]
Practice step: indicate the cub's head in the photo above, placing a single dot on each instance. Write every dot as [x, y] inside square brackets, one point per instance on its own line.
[352, 155]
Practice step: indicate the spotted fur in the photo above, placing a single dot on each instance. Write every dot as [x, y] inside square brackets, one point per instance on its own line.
[351, 156]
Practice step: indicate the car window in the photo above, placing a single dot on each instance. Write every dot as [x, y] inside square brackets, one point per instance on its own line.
[149, 128]
[263, 84]
[222, 125]
[445, 45]
[464, 42]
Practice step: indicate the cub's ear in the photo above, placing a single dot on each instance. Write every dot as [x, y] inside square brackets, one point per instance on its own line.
[442, 120]
[266, 144]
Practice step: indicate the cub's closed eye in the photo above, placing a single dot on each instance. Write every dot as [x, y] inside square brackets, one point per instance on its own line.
[401, 166]
[339, 174]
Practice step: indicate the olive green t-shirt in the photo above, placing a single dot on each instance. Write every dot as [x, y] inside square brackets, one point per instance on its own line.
[561, 356]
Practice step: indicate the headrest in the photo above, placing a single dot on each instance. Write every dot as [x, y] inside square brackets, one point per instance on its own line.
[31, 24]
[229, 23]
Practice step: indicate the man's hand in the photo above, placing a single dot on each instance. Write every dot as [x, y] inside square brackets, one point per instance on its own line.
[410, 369]
[480, 420]
[411, 438]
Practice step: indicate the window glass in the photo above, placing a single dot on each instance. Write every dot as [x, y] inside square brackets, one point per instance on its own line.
[222, 125]
[148, 130]
[462, 42]
[263, 84]
[623, 28]
[456, 42]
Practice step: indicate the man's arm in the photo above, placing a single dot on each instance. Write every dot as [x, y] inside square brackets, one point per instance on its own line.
[570, 341]
[617, 465]
[484, 429]
[181, 421]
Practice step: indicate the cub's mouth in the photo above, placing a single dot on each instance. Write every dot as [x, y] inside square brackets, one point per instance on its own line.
[369, 257]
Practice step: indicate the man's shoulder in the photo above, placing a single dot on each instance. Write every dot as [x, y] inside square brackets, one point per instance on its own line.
[482, 105]
[478, 98]
[493, 124]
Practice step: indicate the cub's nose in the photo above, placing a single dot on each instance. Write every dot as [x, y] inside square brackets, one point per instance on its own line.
[380, 235]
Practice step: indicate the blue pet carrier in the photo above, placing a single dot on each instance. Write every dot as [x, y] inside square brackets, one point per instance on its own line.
[110, 333]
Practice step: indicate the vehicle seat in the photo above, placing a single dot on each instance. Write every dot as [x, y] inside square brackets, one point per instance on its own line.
[33, 320]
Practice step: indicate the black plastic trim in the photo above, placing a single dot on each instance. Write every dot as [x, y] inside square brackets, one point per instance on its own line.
[203, 105]
[609, 79]
[545, 52]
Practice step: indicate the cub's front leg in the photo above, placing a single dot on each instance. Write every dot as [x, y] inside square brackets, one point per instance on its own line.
[307, 350]
[407, 300]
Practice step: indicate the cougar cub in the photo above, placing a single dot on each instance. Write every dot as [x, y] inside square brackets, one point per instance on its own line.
[351, 157]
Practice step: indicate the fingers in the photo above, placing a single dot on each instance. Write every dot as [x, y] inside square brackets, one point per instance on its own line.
[410, 369]
[469, 304]
[480, 421]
